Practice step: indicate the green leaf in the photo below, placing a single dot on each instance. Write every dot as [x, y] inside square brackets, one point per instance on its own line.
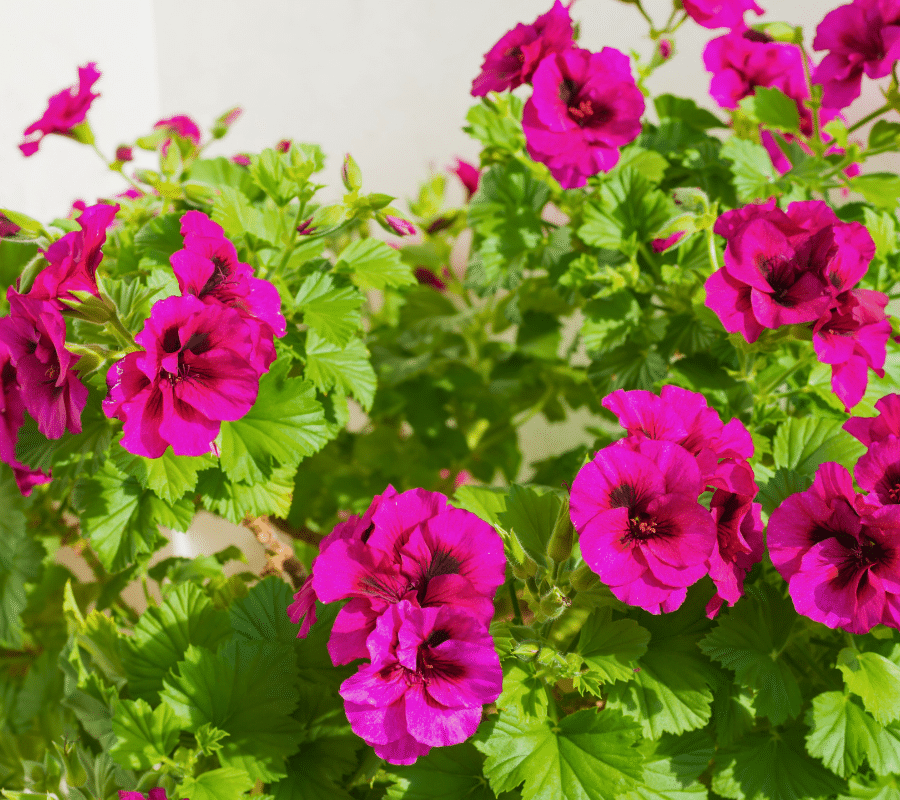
[332, 312]
[270, 172]
[875, 679]
[348, 369]
[262, 614]
[610, 648]
[531, 517]
[315, 772]
[883, 229]
[221, 172]
[248, 690]
[286, 424]
[523, 690]
[783, 483]
[237, 216]
[771, 765]
[754, 175]
[884, 134]
[225, 783]
[773, 109]
[686, 110]
[842, 735]
[626, 367]
[881, 189]
[802, 443]
[750, 639]
[588, 755]
[608, 320]
[143, 735]
[163, 635]
[371, 264]
[20, 559]
[672, 766]
[483, 501]
[446, 773]
[236, 500]
[497, 123]
[876, 788]
[159, 238]
[169, 476]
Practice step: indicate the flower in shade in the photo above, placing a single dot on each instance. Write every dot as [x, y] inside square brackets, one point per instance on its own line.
[468, 174]
[852, 337]
[414, 548]
[720, 13]
[784, 267]
[72, 260]
[874, 429]
[208, 268]
[583, 108]
[641, 528]
[838, 553]
[35, 336]
[65, 111]
[861, 37]
[514, 59]
[400, 226]
[12, 410]
[180, 125]
[194, 372]
[431, 672]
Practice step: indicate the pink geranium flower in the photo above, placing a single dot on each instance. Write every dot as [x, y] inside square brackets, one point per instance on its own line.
[180, 125]
[861, 37]
[852, 337]
[208, 268]
[874, 429]
[720, 13]
[513, 60]
[431, 671]
[72, 260]
[468, 174]
[303, 608]
[584, 107]
[415, 548]
[878, 470]
[784, 267]
[641, 528]
[65, 110]
[35, 336]
[194, 372]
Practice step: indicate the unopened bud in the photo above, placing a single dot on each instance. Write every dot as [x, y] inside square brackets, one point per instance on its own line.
[525, 570]
[441, 224]
[124, 153]
[399, 225]
[554, 603]
[283, 146]
[223, 123]
[305, 228]
[559, 548]
[90, 357]
[350, 174]
[7, 227]
[665, 49]
[89, 307]
[583, 578]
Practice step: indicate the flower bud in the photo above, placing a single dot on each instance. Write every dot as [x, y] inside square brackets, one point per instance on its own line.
[524, 570]
[90, 357]
[442, 223]
[350, 174]
[399, 225]
[305, 228]
[223, 123]
[559, 548]
[124, 153]
[554, 603]
[7, 227]
[89, 307]
[283, 146]
[665, 49]
[241, 159]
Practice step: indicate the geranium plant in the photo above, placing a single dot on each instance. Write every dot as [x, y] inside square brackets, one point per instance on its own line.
[702, 598]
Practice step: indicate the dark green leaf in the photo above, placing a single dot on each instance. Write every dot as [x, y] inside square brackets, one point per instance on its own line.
[262, 614]
[611, 648]
[333, 312]
[169, 476]
[446, 773]
[347, 368]
[531, 518]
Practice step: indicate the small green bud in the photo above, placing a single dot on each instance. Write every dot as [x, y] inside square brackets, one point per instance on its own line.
[559, 548]
[26, 223]
[223, 123]
[351, 175]
[89, 307]
[527, 569]
[90, 357]
[554, 603]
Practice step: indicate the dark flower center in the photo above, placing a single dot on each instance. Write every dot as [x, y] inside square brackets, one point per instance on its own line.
[171, 342]
[582, 111]
[219, 276]
[364, 536]
[642, 529]
[438, 636]
[623, 496]
[859, 559]
[442, 563]
[515, 52]
[780, 275]
[757, 36]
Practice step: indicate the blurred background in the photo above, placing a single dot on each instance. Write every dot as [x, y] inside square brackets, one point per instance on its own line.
[385, 80]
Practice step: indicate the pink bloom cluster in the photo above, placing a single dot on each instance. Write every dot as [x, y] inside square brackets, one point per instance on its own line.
[584, 105]
[203, 351]
[839, 550]
[65, 110]
[799, 266]
[635, 505]
[420, 577]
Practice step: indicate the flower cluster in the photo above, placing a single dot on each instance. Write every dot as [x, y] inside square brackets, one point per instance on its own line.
[584, 105]
[635, 505]
[203, 351]
[799, 266]
[420, 577]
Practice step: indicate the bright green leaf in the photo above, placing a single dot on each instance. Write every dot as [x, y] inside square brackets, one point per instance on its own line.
[802, 443]
[333, 312]
[144, 735]
[347, 368]
[531, 517]
[773, 108]
[169, 476]
[875, 679]
[611, 648]
[225, 783]
[371, 264]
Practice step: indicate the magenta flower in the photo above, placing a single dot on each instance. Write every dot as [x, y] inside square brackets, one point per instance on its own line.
[12, 412]
[414, 548]
[878, 471]
[468, 174]
[852, 338]
[870, 430]
[720, 13]
[784, 267]
[641, 528]
[131, 194]
[208, 268]
[7, 228]
[65, 110]
[72, 260]
[861, 37]
[400, 226]
[180, 125]
[194, 372]
[431, 671]
[35, 335]
[583, 108]
[661, 245]
[241, 160]
[303, 608]
[514, 59]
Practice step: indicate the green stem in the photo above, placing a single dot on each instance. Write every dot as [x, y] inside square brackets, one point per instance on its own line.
[711, 244]
[814, 103]
[645, 15]
[869, 117]
[290, 245]
[123, 333]
[109, 165]
[517, 610]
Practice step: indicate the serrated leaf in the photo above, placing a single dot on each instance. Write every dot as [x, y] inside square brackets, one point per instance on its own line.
[237, 216]
[220, 172]
[371, 264]
[531, 517]
[333, 312]
[876, 788]
[881, 189]
[348, 369]
[802, 443]
[608, 320]
[169, 476]
[672, 766]
[315, 772]
[875, 679]
[772, 108]
[446, 773]
[225, 783]
[749, 639]
[754, 175]
[163, 635]
[523, 690]
[262, 614]
[247, 689]
[610, 649]
[235, 500]
[144, 735]
[159, 238]
[483, 501]
[588, 755]
[285, 424]
[783, 483]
